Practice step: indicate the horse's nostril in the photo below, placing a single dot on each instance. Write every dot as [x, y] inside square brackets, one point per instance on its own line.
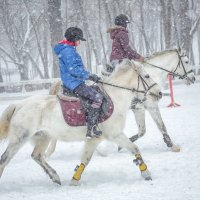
[194, 79]
[160, 93]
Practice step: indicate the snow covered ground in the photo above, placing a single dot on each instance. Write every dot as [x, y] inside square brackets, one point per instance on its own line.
[115, 177]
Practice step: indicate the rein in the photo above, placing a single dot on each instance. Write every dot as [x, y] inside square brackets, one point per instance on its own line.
[132, 90]
[173, 73]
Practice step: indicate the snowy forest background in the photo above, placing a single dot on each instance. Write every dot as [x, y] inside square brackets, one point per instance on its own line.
[29, 29]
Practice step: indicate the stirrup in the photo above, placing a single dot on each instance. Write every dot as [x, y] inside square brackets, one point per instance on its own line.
[97, 133]
[93, 133]
[88, 136]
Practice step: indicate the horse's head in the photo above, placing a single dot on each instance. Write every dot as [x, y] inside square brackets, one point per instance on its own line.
[138, 80]
[184, 69]
[147, 84]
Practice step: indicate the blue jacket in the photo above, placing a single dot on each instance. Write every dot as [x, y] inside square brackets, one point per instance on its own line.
[72, 70]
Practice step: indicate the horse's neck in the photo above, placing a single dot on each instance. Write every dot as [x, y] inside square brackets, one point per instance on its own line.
[121, 98]
[166, 61]
[128, 79]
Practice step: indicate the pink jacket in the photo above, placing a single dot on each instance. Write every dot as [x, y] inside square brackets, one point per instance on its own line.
[120, 46]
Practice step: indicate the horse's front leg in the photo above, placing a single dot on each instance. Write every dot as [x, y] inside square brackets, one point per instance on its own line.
[139, 112]
[123, 141]
[156, 116]
[89, 148]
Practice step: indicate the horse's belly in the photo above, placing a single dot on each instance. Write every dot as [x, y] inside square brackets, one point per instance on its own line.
[70, 133]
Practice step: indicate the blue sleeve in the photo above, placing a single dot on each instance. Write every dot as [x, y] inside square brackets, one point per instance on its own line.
[74, 64]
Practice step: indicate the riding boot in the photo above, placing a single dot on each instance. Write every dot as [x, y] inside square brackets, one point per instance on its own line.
[92, 119]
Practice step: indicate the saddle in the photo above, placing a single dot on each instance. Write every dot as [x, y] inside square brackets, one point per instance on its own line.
[75, 109]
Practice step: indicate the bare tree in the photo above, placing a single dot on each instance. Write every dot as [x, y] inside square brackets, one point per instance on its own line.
[166, 20]
[14, 38]
[142, 28]
[90, 37]
[55, 26]
[30, 29]
[185, 25]
[18, 27]
[1, 77]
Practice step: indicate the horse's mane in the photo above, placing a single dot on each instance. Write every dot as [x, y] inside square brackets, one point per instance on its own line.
[125, 65]
[121, 69]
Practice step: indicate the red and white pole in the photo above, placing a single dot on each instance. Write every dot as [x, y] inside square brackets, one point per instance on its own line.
[172, 104]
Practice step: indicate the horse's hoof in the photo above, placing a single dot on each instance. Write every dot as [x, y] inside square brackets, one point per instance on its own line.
[146, 175]
[74, 183]
[148, 178]
[57, 181]
[175, 148]
[119, 148]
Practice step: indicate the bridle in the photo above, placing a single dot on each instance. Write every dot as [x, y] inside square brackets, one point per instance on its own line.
[179, 64]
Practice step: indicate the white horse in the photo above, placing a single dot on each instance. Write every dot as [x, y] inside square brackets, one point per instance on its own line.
[158, 66]
[40, 119]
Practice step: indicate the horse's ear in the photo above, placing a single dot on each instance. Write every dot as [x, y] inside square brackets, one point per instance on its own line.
[179, 49]
[127, 62]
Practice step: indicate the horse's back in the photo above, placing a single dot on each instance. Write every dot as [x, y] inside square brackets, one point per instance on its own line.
[33, 109]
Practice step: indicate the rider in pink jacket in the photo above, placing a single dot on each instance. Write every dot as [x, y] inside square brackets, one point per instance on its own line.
[120, 44]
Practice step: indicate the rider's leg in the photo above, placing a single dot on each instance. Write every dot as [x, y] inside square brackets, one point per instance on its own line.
[92, 119]
[93, 111]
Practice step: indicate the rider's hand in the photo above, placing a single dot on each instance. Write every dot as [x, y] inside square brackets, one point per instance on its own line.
[141, 59]
[94, 77]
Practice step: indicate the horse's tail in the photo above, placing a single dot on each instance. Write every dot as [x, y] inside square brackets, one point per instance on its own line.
[5, 120]
[55, 88]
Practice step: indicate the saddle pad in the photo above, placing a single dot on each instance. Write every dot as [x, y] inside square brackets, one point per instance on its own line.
[74, 112]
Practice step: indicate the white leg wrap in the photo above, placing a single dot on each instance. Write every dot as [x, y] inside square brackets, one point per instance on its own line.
[146, 175]
[74, 183]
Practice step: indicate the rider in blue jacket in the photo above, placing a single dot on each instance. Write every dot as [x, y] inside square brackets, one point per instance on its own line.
[73, 76]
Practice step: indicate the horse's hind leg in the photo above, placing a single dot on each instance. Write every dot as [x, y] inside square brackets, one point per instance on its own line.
[14, 145]
[38, 154]
[88, 151]
[156, 116]
[123, 141]
[51, 148]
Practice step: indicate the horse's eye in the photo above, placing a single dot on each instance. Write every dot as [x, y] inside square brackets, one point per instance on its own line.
[186, 62]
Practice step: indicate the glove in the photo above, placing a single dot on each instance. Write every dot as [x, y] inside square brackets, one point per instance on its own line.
[141, 59]
[109, 68]
[94, 77]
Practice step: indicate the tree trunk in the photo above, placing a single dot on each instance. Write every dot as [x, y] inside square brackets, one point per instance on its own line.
[185, 26]
[2, 89]
[55, 24]
[107, 12]
[143, 28]
[45, 51]
[1, 76]
[166, 22]
[101, 36]
[86, 26]
[198, 72]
